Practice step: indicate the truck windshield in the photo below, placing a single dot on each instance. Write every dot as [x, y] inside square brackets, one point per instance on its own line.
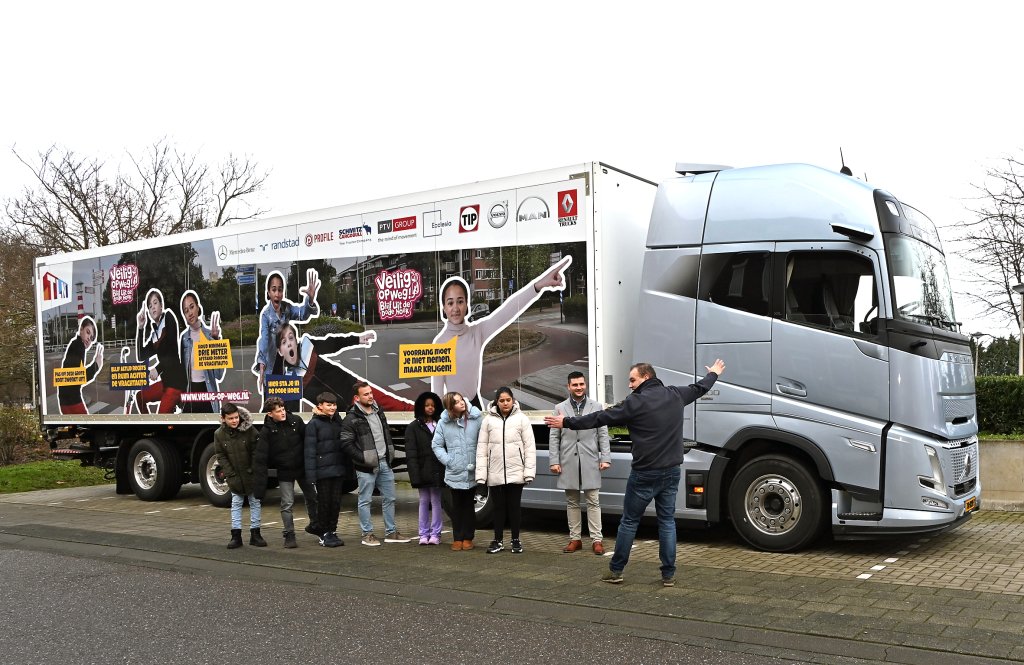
[921, 282]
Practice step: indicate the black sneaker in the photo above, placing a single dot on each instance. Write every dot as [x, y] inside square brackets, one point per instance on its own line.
[495, 547]
[517, 546]
[312, 528]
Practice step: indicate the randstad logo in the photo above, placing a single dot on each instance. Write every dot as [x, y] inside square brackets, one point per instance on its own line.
[280, 244]
[54, 288]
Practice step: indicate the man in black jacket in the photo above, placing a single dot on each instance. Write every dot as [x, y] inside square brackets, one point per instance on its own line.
[284, 435]
[367, 442]
[653, 412]
[326, 465]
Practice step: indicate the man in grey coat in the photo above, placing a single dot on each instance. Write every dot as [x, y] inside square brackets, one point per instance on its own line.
[578, 457]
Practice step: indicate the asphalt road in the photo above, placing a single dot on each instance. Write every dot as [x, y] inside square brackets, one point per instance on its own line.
[63, 610]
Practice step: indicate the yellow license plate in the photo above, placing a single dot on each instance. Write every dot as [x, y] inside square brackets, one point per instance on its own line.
[971, 505]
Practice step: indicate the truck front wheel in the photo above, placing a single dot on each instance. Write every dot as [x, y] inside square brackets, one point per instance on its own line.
[211, 478]
[776, 504]
[154, 470]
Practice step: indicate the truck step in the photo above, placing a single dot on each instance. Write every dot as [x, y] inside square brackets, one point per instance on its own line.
[69, 453]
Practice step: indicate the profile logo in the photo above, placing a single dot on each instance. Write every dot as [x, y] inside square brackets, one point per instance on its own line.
[469, 218]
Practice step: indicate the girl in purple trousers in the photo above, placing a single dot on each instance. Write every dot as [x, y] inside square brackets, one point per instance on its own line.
[425, 473]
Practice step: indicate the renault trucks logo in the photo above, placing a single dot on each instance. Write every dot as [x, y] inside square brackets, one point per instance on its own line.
[531, 208]
[469, 218]
[54, 288]
[315, 238]
[498, 215]
[567, 215]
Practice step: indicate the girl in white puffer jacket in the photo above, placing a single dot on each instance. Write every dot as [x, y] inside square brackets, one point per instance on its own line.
[506, 460]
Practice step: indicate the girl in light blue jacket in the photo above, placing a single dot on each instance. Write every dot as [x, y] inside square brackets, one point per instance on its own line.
[454, 445]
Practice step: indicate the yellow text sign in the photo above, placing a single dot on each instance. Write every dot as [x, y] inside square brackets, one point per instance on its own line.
[212, 354]
[419, 360]
[129, 376]
[69, 376]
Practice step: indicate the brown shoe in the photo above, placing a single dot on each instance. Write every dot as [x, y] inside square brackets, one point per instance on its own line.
[467, 544]
[598, 548]
[457, 546]
[573, 546]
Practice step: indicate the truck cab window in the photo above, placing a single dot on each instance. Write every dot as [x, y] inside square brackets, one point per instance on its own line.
[740, 281]
[833, 290]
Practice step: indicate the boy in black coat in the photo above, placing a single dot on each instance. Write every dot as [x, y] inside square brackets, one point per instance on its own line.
[284, 435]
[326, 465]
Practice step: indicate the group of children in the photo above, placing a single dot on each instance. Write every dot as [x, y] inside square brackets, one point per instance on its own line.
[449, 442]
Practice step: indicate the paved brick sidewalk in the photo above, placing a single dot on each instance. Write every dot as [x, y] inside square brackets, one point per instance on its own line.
[953, 597]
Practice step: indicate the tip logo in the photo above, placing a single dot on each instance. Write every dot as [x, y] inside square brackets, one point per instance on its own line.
[469, 218]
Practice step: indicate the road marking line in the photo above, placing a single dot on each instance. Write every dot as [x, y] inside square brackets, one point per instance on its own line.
[892, 559]
[877, 567]
[80, 500]
[55, 503]
[185, 508]
[152, 512]
[864, 576]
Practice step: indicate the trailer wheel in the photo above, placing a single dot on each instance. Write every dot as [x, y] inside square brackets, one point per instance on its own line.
[154, 470]
[776, 504]
[211, 478]
[483, 506]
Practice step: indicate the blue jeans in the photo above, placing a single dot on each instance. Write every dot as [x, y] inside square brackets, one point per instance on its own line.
[383, 478]
[661, 485]
[255, 511]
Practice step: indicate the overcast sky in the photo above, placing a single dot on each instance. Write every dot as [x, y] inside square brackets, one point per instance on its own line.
[353, 101]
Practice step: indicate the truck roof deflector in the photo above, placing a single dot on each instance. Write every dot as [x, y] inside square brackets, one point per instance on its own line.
[696, 169]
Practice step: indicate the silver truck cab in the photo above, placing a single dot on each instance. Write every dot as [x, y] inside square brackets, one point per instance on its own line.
[849, 394]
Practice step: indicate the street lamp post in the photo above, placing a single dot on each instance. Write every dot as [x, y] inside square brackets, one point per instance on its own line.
[977, 349]
[1019, 289]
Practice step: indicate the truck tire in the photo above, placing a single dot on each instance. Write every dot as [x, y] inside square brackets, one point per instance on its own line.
[211, 478]
[776, 504]
[154, 470]
[484, 507]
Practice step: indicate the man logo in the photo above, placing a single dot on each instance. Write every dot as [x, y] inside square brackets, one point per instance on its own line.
[531, 208]
[498, 215]
[567, 208]
[469, 218]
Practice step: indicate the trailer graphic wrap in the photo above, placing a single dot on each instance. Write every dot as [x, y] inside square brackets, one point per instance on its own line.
[254, 317]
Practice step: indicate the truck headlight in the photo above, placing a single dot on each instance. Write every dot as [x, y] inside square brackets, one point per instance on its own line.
[935, 481]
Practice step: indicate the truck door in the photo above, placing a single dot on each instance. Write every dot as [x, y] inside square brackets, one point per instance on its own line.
[829, 368]
[733, 322]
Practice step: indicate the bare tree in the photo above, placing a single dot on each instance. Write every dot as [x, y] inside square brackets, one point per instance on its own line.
[79, 202]
[995, 239]
[18, 317]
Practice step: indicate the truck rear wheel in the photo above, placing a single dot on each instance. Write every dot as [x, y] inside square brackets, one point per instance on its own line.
[483, 506]
[211, 478]
[154, 470]
[776, 504]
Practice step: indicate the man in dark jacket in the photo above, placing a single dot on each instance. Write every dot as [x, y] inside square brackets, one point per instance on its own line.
[367, 442]
[284, 434]
[326, 465]
[654, 415]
